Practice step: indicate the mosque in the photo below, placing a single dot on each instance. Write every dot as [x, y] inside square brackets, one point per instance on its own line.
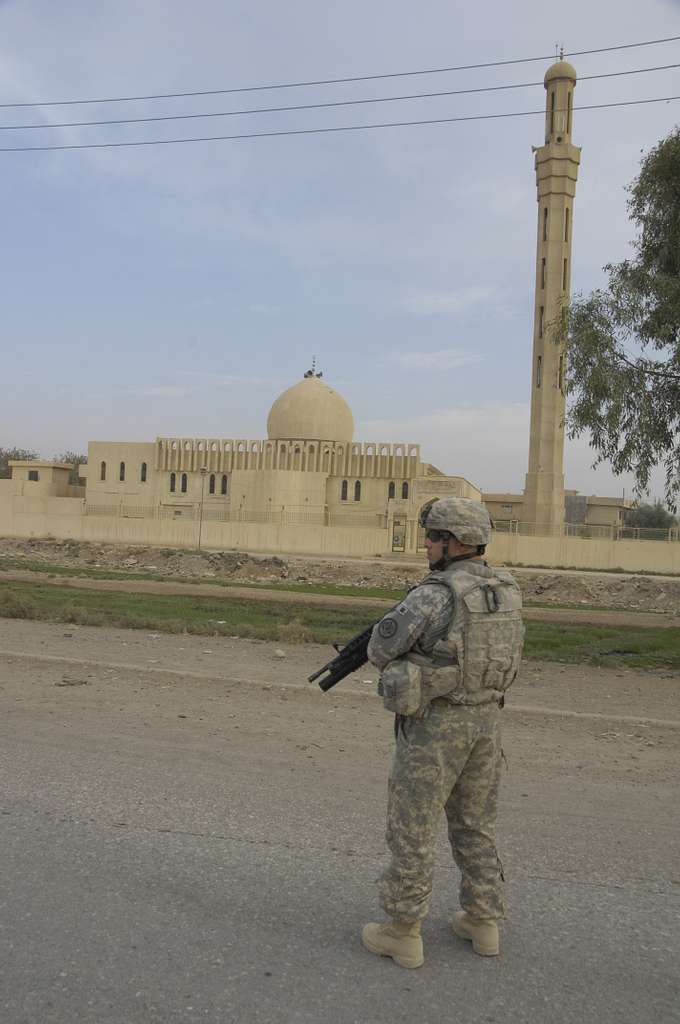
[310, 487]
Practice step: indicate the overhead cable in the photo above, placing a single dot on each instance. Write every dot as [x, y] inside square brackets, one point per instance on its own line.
[338, 81]
[317, 106]
[322, 131]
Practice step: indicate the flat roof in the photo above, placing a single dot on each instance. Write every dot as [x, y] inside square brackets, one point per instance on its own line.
[37, 464]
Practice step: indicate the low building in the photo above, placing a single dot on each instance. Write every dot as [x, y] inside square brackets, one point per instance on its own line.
[33, 478]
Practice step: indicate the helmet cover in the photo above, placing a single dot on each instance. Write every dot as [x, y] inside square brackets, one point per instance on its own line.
[466, 519]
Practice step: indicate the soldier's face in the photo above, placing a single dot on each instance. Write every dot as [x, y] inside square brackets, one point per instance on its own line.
[434, 549]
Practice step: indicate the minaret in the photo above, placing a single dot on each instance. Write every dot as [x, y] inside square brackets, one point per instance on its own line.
[556, 171]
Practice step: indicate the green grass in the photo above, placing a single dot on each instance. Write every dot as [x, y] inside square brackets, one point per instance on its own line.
[85, 572]
[209, 616]
[632, 646]
[635, 647]
[333, 590]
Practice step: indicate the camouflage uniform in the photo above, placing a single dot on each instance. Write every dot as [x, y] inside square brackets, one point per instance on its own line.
[447, 758]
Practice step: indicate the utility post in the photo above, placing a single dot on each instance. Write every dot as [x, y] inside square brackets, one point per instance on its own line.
[204, 472]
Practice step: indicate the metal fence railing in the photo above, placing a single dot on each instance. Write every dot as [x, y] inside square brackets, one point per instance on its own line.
[587, 531]
[319, 516]
[290, 516]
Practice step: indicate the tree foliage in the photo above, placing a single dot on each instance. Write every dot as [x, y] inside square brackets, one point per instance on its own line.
[623, 341]
[650, 517]
[8, 455]
[77, 460]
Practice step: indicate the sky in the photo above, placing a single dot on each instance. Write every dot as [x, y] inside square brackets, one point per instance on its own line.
[176, 290]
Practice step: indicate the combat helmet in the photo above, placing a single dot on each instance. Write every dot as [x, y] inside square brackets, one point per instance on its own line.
[466, 519]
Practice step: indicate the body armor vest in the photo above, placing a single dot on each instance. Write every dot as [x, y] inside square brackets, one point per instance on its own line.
[479, 657]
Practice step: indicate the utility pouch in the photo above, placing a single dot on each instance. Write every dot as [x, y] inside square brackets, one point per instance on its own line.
[440, 681]
[401, 687]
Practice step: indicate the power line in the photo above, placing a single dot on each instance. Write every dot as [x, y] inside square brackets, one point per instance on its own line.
[318, 106]
[321, 131]
[337, 81]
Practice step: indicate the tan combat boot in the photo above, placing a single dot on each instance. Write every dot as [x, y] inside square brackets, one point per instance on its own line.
[399, 939]
[482, 934]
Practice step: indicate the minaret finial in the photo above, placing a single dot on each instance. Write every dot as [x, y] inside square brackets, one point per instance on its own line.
[313, 364]
[562, 52]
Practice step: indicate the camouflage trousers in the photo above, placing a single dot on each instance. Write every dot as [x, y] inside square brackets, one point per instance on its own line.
[449, 761]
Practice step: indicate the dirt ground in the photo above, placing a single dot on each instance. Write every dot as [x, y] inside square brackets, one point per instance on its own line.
[90, 654]
[655, 594]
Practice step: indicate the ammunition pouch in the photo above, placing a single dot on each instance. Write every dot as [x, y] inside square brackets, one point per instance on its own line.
[400, 687]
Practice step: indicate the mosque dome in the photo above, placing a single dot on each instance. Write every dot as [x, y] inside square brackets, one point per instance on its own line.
[562, 69]
[310, 410]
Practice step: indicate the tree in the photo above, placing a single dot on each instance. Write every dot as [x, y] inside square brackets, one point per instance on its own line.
[650, 517]
[8, 455]
[77, 460]
[623, 341]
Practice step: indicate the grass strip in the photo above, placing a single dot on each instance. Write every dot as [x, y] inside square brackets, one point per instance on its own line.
[635, 647]
[333, 590]
[86, 572]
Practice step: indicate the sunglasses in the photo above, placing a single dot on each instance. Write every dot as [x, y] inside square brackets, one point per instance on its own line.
[436, 535]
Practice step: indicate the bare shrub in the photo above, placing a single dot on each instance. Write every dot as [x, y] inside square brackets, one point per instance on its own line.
[13, 606]
[293, 632]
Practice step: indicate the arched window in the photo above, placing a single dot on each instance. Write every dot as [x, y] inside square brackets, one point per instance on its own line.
[173, 482]
[391, 490]
[357, 491]
[552, 112]
[184, 483]
[224, 483]
[121, 473]
[404, 489]
[343, 491]
[102, 471]
[142, 473]
[211, 486]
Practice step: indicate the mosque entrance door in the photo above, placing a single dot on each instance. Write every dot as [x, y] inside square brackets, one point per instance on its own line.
[399, 535]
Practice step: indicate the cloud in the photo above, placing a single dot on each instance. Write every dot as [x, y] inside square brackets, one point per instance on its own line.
[263, 309]
[486, 444]
[448, 303]
[443, 359]
[227, 379]
[157, 391]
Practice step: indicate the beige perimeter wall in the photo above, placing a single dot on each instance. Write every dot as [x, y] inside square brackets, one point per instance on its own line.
[64, 518]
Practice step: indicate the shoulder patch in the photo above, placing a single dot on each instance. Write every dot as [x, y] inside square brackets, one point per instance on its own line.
[387, 628]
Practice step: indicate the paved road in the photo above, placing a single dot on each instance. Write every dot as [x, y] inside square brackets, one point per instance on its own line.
[176, 849]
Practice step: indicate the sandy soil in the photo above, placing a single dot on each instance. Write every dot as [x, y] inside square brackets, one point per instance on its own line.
[85, 652]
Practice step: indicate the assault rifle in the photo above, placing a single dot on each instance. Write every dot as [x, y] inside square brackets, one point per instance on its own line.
[350, 657]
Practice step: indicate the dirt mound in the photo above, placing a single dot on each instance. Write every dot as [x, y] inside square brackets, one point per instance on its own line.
[583, 589]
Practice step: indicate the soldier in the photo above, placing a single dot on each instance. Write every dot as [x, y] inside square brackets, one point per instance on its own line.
[446, 654]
